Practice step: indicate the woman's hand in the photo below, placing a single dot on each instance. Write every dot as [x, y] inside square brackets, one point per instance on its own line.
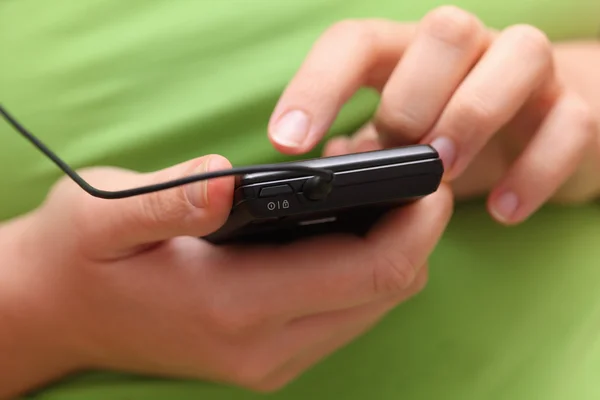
[494, 105]
[127, 285]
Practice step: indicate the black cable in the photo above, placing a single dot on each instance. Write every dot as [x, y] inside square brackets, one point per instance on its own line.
[320, 177]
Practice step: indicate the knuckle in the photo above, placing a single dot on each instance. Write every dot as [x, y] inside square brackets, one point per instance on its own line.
[421, 280]
[313, 88]
[82, 207]
[229, 323]
[253, 373]
[392, 275]
[402, 122]
[357, 31]
[66, 188]
[414, 289]
[452, 25]
[160, 207]
[471, 111]
[232, 320]
[545, 172]
[531, 39]
[581, 187]
[583, 112]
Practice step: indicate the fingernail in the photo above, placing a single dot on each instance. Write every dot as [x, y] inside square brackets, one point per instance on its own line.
[197, 193]
[292, 128]
[505, 206]
[446, 149]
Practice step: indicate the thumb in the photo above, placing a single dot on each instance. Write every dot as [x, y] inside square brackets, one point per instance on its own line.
[115, 228]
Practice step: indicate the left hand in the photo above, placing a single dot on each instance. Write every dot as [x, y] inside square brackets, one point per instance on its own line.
[491, 103]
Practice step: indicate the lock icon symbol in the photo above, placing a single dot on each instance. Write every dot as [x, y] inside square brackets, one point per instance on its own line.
[286, 204]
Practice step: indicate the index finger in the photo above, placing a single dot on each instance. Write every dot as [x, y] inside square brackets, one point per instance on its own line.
[350, 55]
[332, 273]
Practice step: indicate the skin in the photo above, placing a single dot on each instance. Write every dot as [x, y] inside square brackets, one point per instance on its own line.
[135, 290]
[512, 116]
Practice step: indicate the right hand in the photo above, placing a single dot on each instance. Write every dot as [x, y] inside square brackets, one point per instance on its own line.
[127, 285]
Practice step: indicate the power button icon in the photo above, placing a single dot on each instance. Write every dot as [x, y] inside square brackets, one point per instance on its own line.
[278, 205]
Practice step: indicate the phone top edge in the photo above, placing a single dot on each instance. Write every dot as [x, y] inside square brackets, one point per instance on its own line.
[347, 162]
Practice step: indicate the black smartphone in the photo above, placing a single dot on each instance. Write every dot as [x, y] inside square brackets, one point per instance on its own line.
[271, 207]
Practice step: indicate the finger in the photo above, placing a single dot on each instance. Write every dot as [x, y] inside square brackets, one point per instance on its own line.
[366, 139]
[329, 273]
[310, 340]
[117, 227]
[547, 162]
[516, 65]
[447, 44]
[337, 146]
[348, 56]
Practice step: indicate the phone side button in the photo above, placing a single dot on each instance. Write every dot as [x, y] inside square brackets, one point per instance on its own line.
[272, 191]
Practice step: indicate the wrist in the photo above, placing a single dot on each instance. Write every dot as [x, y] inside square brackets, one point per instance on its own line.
[33, 348]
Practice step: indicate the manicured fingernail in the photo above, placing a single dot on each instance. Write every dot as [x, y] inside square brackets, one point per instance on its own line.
[292, 129]
[447, 151]
[197, 193]
[505, 206]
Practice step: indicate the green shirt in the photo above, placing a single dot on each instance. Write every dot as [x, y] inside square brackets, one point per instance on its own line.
[508, 313]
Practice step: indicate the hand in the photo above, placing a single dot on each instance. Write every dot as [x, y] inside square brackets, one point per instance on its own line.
[492, 103]
[127, 285]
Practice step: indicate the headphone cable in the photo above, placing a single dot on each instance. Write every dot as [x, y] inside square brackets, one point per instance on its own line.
[319, 177]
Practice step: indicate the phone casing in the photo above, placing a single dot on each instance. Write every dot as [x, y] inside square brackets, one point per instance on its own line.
[271, 207]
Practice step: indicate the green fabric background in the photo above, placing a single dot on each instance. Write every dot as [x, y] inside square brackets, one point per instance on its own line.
[508, 314]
